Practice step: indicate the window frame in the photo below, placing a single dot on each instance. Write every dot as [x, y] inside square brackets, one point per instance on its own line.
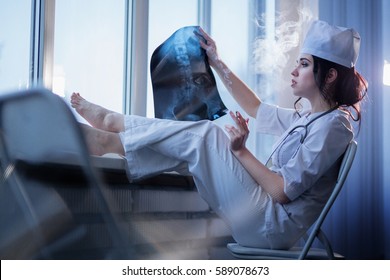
[42, 43]
[135, 54]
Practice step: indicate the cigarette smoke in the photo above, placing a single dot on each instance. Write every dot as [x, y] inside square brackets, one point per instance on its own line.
[271, 52]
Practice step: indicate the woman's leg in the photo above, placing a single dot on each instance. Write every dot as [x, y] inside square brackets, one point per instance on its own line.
[102, 137]
[96, 115]
[151, 144]
[100, 142]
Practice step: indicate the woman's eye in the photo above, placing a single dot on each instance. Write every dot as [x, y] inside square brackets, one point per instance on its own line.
[302, 64]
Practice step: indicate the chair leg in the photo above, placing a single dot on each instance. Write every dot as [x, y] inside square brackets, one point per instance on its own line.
[325, 241]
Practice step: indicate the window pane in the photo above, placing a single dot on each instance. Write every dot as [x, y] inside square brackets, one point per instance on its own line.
[232, 35]
[165, 17]
[14, 44]
[88, 50]
[229, 28]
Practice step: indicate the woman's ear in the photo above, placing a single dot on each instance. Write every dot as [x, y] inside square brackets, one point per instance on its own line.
[332, 76]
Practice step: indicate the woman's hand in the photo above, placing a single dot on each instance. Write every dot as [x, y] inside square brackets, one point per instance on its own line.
[208, 44]
[243, 95]
[239, 134]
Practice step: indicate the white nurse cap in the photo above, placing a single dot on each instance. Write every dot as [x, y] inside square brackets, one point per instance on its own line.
[334, 43]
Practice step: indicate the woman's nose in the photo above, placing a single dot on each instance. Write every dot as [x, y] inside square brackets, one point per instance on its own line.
[294, 72]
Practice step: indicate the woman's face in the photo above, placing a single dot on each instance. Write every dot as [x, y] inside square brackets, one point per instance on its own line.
[303, 82]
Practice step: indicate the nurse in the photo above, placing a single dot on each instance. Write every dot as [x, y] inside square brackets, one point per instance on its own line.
[265, 206]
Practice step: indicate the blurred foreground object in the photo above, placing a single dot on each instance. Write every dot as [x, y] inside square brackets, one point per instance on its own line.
[41, 149]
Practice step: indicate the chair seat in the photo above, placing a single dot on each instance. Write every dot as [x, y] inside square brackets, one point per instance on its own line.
[253, 253]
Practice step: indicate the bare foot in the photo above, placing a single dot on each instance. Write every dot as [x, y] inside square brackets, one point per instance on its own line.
[96, 115]
[79, 103]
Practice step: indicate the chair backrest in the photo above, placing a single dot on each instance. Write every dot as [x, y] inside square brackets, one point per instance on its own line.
[37, 126]
[37, 130]
[345, 166]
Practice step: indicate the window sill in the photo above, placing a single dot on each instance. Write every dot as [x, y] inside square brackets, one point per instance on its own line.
[112, 168]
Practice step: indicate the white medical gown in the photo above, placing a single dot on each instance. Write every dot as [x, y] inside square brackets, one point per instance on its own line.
[309, 169]
[202, 149]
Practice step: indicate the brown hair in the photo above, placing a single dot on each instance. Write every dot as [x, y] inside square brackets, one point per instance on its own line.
[346, 91]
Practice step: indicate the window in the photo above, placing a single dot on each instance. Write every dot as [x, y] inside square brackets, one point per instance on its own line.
[89, 50]
[14, 50]
[230, 29]
[230, 33]
[165, 17]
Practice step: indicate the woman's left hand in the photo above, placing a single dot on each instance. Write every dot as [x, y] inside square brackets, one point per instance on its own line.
[239, 133]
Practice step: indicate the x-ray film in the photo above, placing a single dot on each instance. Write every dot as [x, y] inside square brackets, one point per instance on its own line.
[184, 86]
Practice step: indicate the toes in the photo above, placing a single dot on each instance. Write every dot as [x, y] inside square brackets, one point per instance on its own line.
[78, 102]
[76, 98]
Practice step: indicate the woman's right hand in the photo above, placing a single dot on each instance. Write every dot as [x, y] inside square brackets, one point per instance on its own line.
[208, 44]
[239, 133]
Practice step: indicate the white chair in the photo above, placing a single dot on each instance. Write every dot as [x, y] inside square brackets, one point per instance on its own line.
[305, 252]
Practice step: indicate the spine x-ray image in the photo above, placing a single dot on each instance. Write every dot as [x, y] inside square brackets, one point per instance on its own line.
[184, 86]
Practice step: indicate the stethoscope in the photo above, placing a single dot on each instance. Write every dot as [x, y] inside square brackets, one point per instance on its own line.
[303, 135]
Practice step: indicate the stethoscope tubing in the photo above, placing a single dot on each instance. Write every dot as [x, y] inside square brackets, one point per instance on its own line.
[303, 137]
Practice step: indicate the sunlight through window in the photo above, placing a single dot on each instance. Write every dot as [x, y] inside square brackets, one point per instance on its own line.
[386, 73]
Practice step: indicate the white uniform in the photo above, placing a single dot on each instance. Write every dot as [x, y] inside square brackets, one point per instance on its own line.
[201, 148]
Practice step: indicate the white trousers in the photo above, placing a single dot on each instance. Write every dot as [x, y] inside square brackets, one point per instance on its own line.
[153, 146]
